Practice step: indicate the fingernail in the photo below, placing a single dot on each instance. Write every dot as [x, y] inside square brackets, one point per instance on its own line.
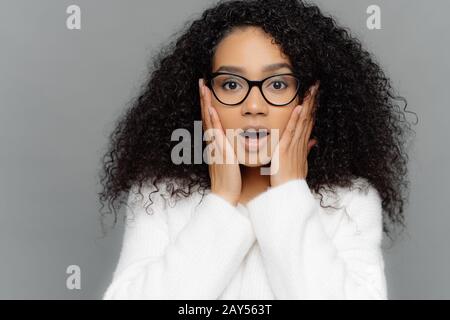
[200, 86]
[298, 109]
[210, 111]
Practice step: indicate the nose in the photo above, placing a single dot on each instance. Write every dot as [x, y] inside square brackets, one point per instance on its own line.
[254, 103]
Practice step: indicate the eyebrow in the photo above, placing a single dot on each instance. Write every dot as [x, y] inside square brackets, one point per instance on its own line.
[270, 67]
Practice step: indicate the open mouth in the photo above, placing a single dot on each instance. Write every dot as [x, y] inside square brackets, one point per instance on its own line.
[254, 138]
[255, 133]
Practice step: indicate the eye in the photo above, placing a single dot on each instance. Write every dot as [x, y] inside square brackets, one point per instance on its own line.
[278, 84]
[233, 84]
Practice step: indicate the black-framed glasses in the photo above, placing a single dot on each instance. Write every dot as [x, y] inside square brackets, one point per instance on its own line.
[232, 89]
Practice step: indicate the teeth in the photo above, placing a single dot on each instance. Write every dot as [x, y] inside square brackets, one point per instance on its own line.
[253, 134]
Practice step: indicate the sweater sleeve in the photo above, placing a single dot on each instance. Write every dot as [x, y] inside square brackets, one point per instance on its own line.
[305, 262]
[199, 264]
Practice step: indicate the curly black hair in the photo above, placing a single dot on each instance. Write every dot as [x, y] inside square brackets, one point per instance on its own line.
[361, 130]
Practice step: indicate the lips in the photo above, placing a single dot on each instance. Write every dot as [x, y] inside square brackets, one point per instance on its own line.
[254, 138]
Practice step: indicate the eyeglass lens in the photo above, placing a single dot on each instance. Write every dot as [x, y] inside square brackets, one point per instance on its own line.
[230, 89]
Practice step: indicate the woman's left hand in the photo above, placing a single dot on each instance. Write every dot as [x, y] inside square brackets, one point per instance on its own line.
[289, 160]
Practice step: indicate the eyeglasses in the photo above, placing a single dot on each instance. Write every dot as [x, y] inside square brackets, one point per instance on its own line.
[231, 89]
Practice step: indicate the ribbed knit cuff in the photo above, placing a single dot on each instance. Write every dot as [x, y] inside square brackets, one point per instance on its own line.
[283, 196]
[281, 210]
[225, 213]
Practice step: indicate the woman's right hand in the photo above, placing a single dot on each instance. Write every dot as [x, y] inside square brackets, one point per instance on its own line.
[226, 175]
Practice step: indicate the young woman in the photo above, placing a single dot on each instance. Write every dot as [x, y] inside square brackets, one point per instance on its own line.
[311, 229]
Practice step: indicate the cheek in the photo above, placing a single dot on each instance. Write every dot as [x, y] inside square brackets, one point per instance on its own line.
[228, 117]
[281, 119]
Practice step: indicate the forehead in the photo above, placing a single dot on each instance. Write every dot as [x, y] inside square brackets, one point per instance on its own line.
[251, 50]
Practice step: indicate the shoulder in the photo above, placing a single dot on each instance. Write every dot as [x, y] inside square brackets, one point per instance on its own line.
[161, 194]
[156, 203]
[363, 209]
[364, 203]
[357, 206]
[359, 190]
[145, 197]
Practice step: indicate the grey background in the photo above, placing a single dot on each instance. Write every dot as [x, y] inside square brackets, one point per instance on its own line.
[61, 91]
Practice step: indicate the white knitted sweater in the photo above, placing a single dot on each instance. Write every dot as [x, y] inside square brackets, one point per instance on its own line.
[281, 245]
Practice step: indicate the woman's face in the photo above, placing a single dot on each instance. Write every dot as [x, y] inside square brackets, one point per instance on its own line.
[251, 51]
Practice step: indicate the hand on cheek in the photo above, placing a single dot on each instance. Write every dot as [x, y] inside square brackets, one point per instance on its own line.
[223, 167]
[289, 160]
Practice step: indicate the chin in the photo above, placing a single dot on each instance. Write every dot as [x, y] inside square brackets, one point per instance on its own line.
[251, 165]
[254, 160]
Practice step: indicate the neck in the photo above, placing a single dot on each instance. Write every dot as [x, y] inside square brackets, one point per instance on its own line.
[253, 183]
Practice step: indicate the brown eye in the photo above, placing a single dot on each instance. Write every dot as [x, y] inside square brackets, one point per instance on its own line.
[278, 84]
[233, 86]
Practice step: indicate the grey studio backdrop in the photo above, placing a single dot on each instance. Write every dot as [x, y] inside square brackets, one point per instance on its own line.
[62, 90]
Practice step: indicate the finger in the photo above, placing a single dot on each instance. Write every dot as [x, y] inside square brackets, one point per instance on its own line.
[205, 103]
[223, 145]
[308, 128]
[300, 128]
[213, 116]
[314, 97]
[216, 124]
[306, 115]
[305, 139]
[200, 94]
[311, 97]
[202, 104]
[311, 112]
[207, 122]
[291, 126]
